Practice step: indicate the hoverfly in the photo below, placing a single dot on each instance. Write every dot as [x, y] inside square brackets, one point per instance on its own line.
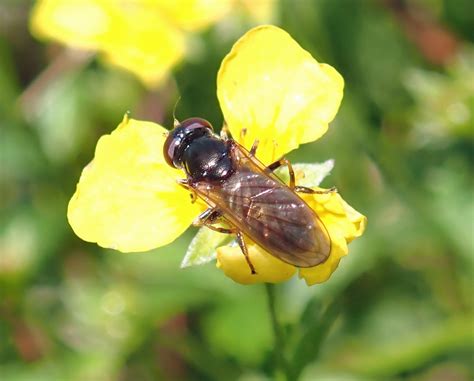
[245, 196]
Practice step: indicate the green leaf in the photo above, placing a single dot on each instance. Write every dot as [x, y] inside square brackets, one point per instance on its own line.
[202, 248]
[314, 174]
[308, 175]
[238, 328]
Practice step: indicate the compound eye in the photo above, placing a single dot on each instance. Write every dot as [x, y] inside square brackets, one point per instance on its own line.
[179, 138]
[195, 123]
[172, 142]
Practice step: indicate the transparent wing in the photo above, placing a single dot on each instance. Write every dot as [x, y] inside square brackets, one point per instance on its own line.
[268, 212]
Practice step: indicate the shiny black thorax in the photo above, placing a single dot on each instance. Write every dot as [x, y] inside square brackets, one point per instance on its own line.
[207, 158]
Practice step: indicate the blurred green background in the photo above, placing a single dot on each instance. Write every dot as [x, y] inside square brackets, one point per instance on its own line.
[398, 308]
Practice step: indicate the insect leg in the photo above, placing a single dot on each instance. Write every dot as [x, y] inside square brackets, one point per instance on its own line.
[219, 229]
[301, 189]
[297, 188]
[243, 247]
[207, 217]
[185, 185]
[240, 241]
[253, 150]
[225, 132]
[281, 162]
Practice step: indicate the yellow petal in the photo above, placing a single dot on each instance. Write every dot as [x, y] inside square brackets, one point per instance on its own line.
[192, 15]
[358, 221]
[277, 92]
[77, 23]
[127, 198]
[231, 260]
[144, 43]
[343, 224]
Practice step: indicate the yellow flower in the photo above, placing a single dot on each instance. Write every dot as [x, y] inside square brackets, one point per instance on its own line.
[268, 87]
[145, 37]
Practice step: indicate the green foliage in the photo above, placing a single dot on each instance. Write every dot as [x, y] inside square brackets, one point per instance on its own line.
[398, 308]
[202, 248]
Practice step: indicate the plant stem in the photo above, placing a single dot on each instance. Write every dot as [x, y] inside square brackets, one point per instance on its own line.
[68, 60]
[312, 335]
[282, 368]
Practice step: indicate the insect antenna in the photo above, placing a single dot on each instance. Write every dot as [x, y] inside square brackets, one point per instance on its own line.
[176, 121]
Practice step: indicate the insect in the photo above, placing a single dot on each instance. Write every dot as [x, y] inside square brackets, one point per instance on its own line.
[245, 196]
